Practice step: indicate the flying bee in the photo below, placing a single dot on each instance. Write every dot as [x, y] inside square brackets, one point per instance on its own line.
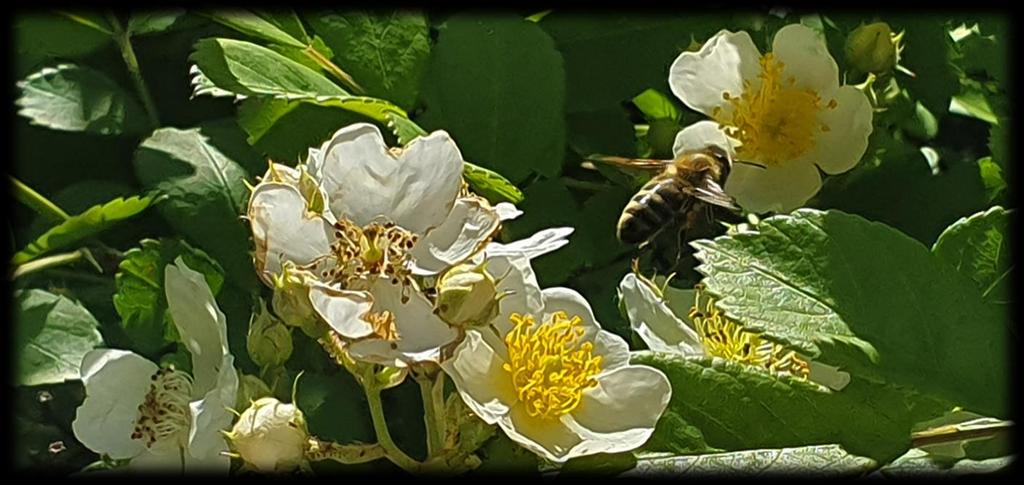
[687, 189]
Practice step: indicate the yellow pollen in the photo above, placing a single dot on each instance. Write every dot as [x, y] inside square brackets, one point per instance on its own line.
[725, 338]
[775, 121]
[165, 412]
[383, 324]
[549, 366]
[375, 250]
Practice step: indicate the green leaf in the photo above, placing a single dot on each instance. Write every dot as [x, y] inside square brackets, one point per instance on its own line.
[918, 463]
[204, 195]
[548, 203]
[978, 247]
[490, 184]
[739, 407]
[823, 460]
[974, 104]
[830, 282]
[335, 407]
[140, 299]
[74, 98]
[992, 178]
[153, 21]
[285, 130]
[41, 35]
[674, 435]
[385, 52]
[496, 84]
[655, 105]
[598, 465]
[52, 334]
[927, 53]
[253, 25]
[79, 227]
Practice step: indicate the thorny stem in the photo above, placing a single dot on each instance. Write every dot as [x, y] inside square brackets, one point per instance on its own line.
[124, 43]
[333, 69]
[26, 195]
[318, 450]
[380, 426]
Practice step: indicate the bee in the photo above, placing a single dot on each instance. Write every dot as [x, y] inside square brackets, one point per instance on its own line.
[687, 190]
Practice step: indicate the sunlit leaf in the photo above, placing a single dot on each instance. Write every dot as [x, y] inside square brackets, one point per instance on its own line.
[51, 336]
[978, 247]
[74, 98]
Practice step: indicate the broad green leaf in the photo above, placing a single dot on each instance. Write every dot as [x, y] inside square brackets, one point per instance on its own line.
[153, 21]
[822, 460]
[927, 53]
[39, 35]
[496, 84]
[204, 195]
[607, 132]
[830, 282]
[974, 104]
[992, 177]
[502, 455]
[978, 247]
[335, 407]
[285, 19]
[490, 184]
[385, 52]
[738, 407]
[74, 98]
[81, 226]
[140, 299]
[285, 130]
[251, 24]
[403, 128]
[918, 463]
[548, 203]
[51, 336]
[656, 105]
[674, 435]
[598, 465]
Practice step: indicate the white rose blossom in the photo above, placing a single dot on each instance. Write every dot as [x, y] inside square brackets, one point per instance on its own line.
[549, 376]
[784, 112]
[663, 330]
[163, 418]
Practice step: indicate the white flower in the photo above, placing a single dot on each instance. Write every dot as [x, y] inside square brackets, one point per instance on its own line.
[361, 210]
[784, 111]
[665, 331]
[270, 436]
[164, 418]
[556, 383]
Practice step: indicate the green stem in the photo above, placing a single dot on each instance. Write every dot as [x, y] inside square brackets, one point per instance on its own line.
[124, 43]
[49, 262]
[432, 392]
[380, 426]
[318, 450]
[38, 203]
[333, 69]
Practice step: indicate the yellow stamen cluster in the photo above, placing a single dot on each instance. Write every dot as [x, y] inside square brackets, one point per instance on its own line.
[725, 338]
[165, 413]
[375, 250]
[775, 121]
[383, 324]
[549, 366]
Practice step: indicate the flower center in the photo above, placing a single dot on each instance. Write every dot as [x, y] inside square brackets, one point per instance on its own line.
[549, 366]
[164, 414]
[724, 338]
[776, 121]
[373, 250]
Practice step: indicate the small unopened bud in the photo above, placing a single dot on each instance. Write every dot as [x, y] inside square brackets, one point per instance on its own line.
[291, 300]
[270, 436]
[872, 48]
[250, 388]
[269, 341]
[467, 296]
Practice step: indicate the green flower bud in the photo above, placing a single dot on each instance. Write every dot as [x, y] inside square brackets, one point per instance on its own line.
[250, 388]
[467, 296]
[872, 48]
[270, 436]
[291, 300]
[269, 341]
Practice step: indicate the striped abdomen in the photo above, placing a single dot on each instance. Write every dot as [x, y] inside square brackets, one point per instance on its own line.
[655, 206]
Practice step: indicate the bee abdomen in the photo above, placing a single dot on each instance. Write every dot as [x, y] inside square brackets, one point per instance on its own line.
[652, 208]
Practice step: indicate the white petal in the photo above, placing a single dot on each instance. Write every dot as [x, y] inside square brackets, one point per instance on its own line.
[652, 319]
[343, 310]
[775, 188]
[620, 413]
[612, 348]
[421, 333]
[201, 324]
[805, 58]
[461, 234]
[284, 230]
[550, 438]
[828, 376]
[507, 211]
[842, 146]
[364, 180]
[476, 370]
[726, 60]
[210, 414]
[163, 458]
[116, 382]
[539, 244]
[516, 278]
[701, 135]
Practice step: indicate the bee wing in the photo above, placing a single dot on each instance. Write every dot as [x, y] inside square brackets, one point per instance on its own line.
[646, 164]
[712, 193]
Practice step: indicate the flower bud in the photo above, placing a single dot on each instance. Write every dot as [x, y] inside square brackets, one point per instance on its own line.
[291, 300]
[270, 436]
[250, 388]
[872, 48]
[269, 341]
[467, 296]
